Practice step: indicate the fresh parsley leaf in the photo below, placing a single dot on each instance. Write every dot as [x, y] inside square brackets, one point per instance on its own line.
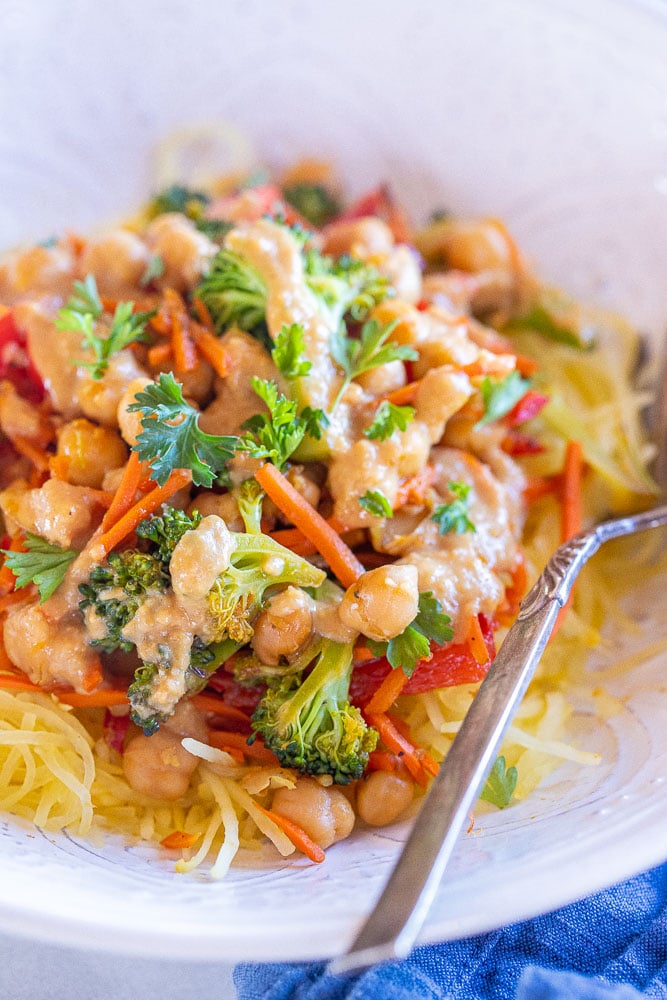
[177, 198]
[316, 421]
[289, 351]
[453, 516]
[274, 437]
[414, 644]
[376, 504]
[79, 314]
[43, 564]
[370, 351]
[500, 784]
[500, 396]
[389, 418]
[215, 229]
[86, 298]
[155, 269]
[172, 439]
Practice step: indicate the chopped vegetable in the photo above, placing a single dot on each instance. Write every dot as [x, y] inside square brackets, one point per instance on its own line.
[371, 350]
[500, 784]
[41, 563]
[389, 418]
[414, 643]
[376, 503]
[500, 396]
[453, 516]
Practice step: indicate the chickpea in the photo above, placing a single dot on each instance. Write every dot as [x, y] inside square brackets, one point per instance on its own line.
[19, 418]
[382, 602]
[197, 384]
[200, 556]
[383, 379]
[368, 235]
[158, 765]
[117, 261]
[91, 452]
[99, 399]
[130, 422]
[382, 797]
[283, 626]
[401, 266]
[42, 269]
[184, 250]
[223, 504]
[324, 813]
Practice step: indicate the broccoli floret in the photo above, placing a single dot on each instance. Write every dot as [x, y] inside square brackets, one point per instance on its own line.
[114, 592]
[309, 723]
[235, 293]
[313, 201]
[257, 562]
[166, 530]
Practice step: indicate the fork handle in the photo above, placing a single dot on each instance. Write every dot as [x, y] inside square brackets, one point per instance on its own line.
[401, 910]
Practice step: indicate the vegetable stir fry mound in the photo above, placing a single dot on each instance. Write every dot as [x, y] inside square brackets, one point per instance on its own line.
[277, 470]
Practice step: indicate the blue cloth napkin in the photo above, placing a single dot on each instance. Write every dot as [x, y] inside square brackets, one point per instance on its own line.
[610, 946]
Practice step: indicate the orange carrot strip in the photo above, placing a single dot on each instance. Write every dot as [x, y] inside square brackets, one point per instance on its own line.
[11, 683]
[128, 522]
[414, 489]
[185, 355]
[125, 492]
[526, 366]
[571, 491]
[388, 691]
[7, 578]
[299, 837]
[337, 554]
[16, 596]
[179, 840]
[59, 467]
[539, 486]
[38, 456]
[212, 350]
[203, 314]
[159, 354]
[398, 744]
[238, 741]
[382, 760]
[406, 394]
[430, 765]
[475, 641]
[211, 703]
[106, 698]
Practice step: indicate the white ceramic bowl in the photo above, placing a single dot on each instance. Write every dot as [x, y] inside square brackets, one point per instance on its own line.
[552, 116]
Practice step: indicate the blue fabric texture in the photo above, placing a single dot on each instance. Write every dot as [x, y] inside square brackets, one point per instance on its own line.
[610, 946]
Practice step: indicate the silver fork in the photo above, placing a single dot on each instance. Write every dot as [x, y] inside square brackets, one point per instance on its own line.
[393, 926]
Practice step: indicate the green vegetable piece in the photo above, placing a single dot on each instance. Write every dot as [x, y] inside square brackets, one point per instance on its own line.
[276, 436]
[235, 295]
[500, 396]
[371, 350]
[155, 269]
[309, 723]
[414, 643]
[453, 516]
[500, 784]
[178, 198]
[166, 530]
[389, 418]
[289, 352]
[172, 439]
[43, 564]
[376, 503]
[313, 201]
[540, 320]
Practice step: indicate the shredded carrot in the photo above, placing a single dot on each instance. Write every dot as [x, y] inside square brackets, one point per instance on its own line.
[185, 355]
[514, 593]
[406, 394]
[571, 491]
[299, 837]
[203, 314]
[159, 354]
[128, 522]
[475, 641]
[125, 493]
[211, 349]
[59, 467]
[414, 489]
[295, 540]
[104, 698]
[211, 703]
[328, 543]
[179, 840]
[388, 691]
[397, 743]
[16, 596]
[539, 486]
[7, 578]
[12, 682]
[383, 760]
